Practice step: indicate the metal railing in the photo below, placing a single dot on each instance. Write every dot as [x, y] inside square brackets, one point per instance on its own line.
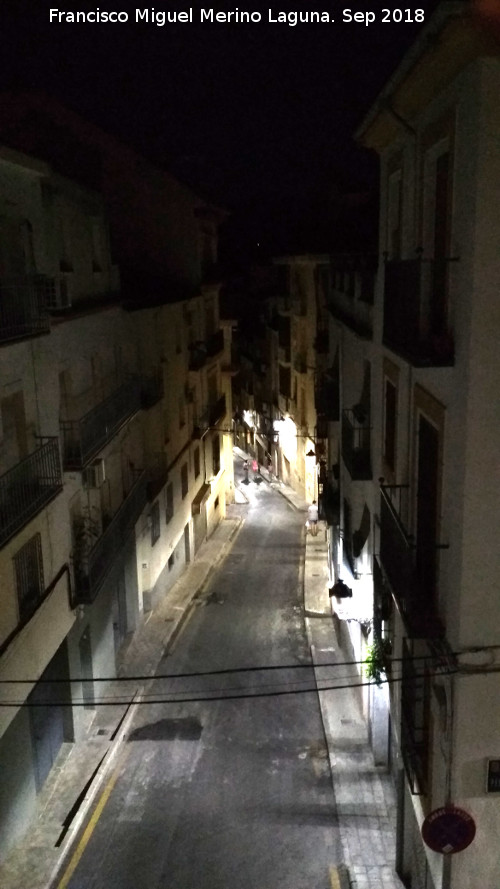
[215, 344]
[151, 389]
[356, 448]
[28, 487]
[84, 438]
[415, 311]
[210, 417]
[93, 562]
[23, 309]
[197, 355]
[398, 551]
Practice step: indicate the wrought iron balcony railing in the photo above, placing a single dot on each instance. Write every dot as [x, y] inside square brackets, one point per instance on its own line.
[327, 398]
[28, 487]
[215, 344]
[416, 323]
[217, 411]
[197, 355]
[23, 309]
[210, 417]
[93, 561]
[151, 389]
[85, 437]
[356, 447]
[157, 475]
[398, 558]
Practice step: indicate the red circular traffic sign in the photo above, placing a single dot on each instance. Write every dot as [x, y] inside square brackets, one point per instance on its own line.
[448, 830]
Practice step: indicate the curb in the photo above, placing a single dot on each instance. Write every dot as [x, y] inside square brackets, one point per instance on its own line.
[93, 790]
[116, 744]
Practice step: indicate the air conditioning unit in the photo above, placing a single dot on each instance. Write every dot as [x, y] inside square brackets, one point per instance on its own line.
[59, 295]
[94, 475]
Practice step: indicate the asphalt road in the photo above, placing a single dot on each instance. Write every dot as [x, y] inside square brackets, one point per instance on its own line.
[233, 792]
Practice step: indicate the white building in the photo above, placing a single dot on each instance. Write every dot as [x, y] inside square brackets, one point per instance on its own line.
[435, 439]
[115, 458]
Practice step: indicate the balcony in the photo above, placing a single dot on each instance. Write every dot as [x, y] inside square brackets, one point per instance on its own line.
[151, 390]
[215, 344]
[197, 355]
[85, 437]
[415, 311]
[157, 475]
[398, 560]
[356, 449]
[329, 501]
[210, 417]
[93, 561]
[23, 310]
[326, 397]
[28, 487]
[350, 299]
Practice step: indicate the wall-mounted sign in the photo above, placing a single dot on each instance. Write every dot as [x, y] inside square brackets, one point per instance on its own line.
[493, 776]
[448, 830]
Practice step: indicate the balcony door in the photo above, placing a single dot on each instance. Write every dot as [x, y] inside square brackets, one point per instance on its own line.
[427, 507]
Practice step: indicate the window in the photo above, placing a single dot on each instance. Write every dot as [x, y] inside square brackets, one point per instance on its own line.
[394, 215]
[155, 523]
[184, 480]
[390, 425]
[196, 462]
[182, 412]
[28, 567]
[216, 454]
[170, 503]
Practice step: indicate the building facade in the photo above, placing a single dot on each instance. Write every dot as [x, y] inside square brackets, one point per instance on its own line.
[115, 449]
[434, 440]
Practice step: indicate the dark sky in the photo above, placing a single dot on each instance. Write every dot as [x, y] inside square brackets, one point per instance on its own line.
[260, 116]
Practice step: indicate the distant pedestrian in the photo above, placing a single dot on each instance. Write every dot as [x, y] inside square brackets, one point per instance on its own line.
[255, 468]
[312, 518]
[245, 470]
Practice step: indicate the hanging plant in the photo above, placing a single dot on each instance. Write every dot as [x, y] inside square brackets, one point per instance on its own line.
[378, 659]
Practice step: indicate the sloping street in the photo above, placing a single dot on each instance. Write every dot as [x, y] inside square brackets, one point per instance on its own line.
[236, 791]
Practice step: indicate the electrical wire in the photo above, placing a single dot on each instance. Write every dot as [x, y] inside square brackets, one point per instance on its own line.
[215, 696]
[203, 673]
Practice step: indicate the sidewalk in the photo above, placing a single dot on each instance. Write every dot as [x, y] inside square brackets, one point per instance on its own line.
[81, 768]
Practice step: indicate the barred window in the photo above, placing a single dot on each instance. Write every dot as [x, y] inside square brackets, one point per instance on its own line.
[216, 453]
[155, 523]
[196, 462]
[184, 481]
[170, 503]
[28, 567]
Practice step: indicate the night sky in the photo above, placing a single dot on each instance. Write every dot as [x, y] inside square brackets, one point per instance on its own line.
[258, 117]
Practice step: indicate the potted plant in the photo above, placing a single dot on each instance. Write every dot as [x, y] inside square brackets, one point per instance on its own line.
[378, 660]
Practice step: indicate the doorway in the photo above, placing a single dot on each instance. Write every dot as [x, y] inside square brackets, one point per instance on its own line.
[85, 649]
[50, 712]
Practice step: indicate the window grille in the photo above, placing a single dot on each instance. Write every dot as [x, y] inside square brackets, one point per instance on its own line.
[155, 523]
[28, 567]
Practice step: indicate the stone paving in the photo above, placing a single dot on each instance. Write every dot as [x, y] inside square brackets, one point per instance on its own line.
[364, 794]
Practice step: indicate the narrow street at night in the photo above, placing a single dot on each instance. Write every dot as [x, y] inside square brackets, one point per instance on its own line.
[236, 792]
